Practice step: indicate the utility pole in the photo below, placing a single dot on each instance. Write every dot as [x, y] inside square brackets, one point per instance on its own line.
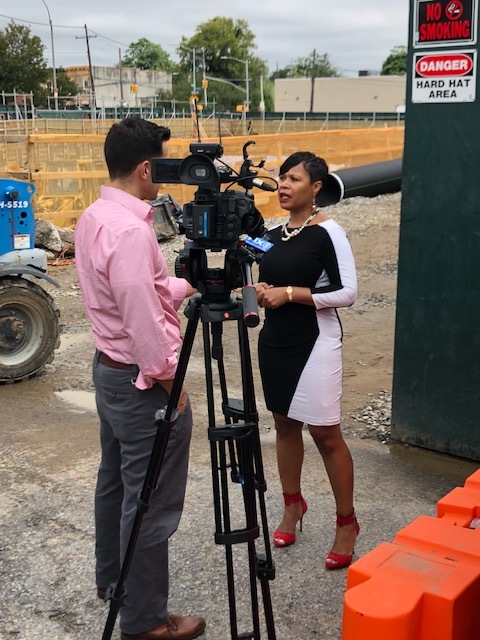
[90, 70]
[54, 69]
[204, 81]
[313, 79]
[247, 89]
[262, 97]
[120, 72]
[92, 84]
[194, 64]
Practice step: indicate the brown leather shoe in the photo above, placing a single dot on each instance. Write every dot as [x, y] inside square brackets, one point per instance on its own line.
[101, 591]
[176, 628]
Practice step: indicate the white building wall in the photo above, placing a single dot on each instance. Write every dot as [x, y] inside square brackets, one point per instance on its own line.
[113, 85]
[344, 95]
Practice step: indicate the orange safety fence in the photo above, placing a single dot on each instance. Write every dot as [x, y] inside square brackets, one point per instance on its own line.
[68, 170]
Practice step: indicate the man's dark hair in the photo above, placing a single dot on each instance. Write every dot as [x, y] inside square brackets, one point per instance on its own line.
[130, 142]
[315, 166]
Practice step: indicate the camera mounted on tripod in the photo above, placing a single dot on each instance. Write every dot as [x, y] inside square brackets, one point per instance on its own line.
[215, 219]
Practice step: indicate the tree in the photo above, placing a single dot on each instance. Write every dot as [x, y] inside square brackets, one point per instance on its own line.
[65, 86]
[181, 88]
[23, 68]
[313, 66]
[144, 54]
[396, 63]
[215, 43]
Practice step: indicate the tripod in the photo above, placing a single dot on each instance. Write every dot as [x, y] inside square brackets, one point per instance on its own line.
[234, 446]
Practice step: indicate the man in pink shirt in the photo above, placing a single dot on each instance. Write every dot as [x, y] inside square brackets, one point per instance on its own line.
[132, 304]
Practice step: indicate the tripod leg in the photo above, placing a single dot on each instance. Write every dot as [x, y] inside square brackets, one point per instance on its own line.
[217, 354]
[241, 439]
[219, 461]
[265, 564]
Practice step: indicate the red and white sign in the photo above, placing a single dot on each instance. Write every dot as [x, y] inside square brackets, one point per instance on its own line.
[445, 64]
[444, 77]
[439, 23]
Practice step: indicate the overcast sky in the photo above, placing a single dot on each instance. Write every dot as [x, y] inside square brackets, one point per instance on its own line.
[356, 35]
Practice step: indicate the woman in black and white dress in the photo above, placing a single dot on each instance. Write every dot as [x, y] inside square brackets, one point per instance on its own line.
[304, 277]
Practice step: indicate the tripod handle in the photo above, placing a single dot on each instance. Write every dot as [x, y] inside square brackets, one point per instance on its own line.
[250, 306]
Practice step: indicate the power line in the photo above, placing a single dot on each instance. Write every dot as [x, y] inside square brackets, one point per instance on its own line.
[59, 26]
[109, 39]
[41, 24]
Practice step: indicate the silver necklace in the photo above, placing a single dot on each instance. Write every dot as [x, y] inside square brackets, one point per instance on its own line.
[288, 235]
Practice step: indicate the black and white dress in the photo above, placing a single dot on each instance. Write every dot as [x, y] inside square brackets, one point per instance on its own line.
[300, 346]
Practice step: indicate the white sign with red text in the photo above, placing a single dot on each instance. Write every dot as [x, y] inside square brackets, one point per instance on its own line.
[444, 77]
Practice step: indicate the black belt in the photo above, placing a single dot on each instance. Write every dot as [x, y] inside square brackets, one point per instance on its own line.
[108, 362]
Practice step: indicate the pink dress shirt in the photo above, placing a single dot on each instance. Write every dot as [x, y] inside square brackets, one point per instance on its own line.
[128, 294]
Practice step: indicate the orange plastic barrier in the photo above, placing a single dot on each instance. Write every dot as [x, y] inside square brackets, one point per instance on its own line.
[473, 482]
[461, 506]
[426, 584]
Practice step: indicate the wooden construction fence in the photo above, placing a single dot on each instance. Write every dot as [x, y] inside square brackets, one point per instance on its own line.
[68, 170]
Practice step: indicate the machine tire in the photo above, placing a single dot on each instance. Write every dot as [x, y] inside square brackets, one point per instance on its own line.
[29, 329]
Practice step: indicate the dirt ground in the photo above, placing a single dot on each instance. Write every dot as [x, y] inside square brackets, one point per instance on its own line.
[43, 405]
[49, 454]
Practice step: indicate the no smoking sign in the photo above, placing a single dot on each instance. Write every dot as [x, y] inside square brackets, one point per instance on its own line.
[445, 22]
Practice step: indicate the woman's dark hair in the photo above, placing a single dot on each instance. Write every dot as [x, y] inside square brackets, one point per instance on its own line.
[130, 142]
[315, 166]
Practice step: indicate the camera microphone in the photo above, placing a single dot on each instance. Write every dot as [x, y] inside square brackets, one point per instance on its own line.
[261, 184]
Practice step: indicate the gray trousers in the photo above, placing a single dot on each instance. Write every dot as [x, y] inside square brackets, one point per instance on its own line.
[127, 433]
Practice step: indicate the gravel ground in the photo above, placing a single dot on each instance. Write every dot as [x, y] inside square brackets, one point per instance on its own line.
[49, 457]
[359, 217]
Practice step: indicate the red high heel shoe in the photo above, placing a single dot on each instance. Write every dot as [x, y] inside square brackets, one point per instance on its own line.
[339, 561]
[281, 539]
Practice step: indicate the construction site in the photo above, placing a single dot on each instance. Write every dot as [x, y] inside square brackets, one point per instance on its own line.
[402, 183]
[67, 168]
[417, 576]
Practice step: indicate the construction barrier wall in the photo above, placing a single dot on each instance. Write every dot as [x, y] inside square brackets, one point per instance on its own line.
[180, 122]
[68, 170]
[425, 585]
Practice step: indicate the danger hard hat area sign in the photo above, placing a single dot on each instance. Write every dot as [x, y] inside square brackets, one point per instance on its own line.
[445, 22]
[444, 77]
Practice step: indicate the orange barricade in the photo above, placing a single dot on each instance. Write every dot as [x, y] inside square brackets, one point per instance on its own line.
[426, 584]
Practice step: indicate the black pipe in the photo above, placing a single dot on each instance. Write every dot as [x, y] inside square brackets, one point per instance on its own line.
[368, 180]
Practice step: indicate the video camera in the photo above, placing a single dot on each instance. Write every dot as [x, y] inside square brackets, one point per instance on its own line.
[215, 219]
